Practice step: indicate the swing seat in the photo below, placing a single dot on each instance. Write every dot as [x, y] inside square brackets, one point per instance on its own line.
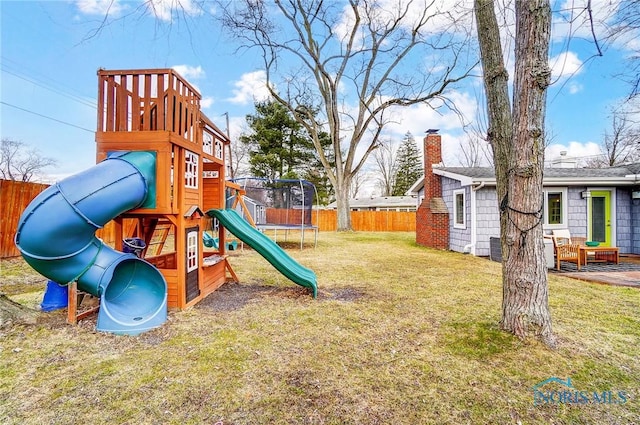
[209, 241]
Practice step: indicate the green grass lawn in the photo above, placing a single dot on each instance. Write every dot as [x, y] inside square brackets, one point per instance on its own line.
[399, 334]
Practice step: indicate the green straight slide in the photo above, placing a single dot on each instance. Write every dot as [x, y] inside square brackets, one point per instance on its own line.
[275, 255]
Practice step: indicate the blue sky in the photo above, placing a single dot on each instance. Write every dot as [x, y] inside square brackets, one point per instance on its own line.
[51, 52]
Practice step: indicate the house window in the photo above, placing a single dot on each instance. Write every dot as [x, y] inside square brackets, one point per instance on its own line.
[190, 170]
[555, 208]
[459, 216]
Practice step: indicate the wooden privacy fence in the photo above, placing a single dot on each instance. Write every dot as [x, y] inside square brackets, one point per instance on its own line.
[15, 196]
[361, 221]
[368, 221]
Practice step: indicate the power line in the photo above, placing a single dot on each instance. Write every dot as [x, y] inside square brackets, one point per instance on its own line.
[60, 92]
[47, 117]
[34, 77]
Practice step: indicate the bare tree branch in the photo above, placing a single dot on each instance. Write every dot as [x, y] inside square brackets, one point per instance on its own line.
[19, 162]
[385, 160]
[352, 62]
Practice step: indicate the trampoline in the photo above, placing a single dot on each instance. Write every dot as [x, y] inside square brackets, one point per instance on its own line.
[278, 205]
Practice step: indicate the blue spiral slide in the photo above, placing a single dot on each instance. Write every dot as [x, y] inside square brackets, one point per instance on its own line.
[56, 236]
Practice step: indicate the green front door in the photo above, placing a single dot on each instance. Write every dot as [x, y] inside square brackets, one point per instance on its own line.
[600, 217]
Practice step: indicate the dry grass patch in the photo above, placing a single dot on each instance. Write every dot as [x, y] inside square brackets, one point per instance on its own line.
[398, 334]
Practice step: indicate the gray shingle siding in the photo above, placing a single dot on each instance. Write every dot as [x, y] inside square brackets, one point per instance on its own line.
[458, 238]
[487, 219]
[624, 227]
[635, 226]
[577, 212]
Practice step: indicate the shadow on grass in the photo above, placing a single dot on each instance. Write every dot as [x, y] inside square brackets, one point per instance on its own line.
[477, 340]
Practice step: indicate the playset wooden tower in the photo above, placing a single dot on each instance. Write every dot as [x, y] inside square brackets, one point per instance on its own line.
[158, 111]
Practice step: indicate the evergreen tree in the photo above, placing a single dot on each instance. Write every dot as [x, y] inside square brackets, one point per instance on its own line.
[280, 148]
[278, 145]
[410, 167]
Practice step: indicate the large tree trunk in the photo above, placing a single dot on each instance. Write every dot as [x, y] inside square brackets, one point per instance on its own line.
[343, 207]
[525, 304]
[519, 161]
[496, 81]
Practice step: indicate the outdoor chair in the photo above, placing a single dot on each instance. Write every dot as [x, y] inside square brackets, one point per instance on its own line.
[568, 252]
[564, 237]
[570, 247]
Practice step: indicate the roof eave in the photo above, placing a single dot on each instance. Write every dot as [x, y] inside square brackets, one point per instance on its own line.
[587, 181]
[415, 188]
[464, 180]
[627, 180]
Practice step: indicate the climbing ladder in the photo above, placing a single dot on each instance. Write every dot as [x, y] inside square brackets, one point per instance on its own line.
[156, 239]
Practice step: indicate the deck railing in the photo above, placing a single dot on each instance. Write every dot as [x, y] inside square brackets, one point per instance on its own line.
[147, 100]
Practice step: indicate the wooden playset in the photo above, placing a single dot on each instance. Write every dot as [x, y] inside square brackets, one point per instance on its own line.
[158, 111]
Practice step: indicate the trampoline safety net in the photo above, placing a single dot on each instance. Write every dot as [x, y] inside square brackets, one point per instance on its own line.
[280, 203]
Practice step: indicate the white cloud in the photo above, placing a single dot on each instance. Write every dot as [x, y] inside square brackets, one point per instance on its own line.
[206, 102]
[578, 150]
[100, 7]
[575, 87]
[189, 72]
[443, 16]
[418, 118]
[250, 88]
[573, 19]
[237, 127]
[565, 65]
[165, 10]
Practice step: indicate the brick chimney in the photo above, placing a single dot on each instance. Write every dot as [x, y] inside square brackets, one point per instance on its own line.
[432, 155]
[432, 217]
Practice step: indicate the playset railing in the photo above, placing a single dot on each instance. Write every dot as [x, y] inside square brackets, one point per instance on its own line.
[148, 100]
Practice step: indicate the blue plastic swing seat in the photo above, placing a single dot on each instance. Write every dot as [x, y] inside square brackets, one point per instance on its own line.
[209, 241]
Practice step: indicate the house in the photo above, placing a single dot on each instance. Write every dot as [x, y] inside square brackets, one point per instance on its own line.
[458, 206]
[256, 209]
[380, 203]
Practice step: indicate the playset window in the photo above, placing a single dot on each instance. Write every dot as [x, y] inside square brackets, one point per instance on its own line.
[207, 143]
[191, 170]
